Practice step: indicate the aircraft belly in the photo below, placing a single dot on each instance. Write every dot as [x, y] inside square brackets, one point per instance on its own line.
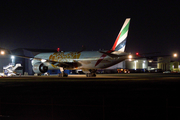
[91, 64]
[100, 63]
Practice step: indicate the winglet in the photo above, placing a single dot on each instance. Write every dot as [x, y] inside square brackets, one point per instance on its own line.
[120, 43]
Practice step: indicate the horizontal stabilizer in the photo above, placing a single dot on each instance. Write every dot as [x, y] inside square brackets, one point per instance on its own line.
[113, 55]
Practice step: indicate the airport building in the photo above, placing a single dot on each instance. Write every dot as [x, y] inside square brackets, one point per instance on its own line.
[135, 65]
[164, 63]
[167, 63]
[175, 66]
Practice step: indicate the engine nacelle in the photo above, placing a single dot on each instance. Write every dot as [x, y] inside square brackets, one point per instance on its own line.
[40, 68]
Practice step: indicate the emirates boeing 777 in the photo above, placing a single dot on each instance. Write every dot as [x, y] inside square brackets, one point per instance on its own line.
[88, 61]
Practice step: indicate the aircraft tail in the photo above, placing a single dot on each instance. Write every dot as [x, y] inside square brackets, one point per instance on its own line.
[120, 42]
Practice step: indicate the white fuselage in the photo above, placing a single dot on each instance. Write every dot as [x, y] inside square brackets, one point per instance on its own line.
[82, 60]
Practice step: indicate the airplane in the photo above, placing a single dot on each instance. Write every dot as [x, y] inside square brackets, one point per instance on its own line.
[88, 61]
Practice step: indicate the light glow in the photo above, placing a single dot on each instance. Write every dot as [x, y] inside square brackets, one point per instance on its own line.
[135, 64]
[137, 54]
[175, 54]
[130, 56]
[43, 60]
[143, 64]
[2, 52]
[12, 57]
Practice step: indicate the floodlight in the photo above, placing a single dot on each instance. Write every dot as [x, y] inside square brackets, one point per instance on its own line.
[2, 52]
[175, 54]
[12, 57]
[43, 60]
[130, 56]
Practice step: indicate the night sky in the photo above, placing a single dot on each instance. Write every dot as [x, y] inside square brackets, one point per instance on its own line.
[39, 24]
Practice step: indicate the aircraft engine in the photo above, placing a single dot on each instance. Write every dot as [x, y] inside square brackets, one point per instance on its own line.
[40, 68]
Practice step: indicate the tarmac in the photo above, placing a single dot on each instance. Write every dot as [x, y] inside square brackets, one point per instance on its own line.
[105, 97]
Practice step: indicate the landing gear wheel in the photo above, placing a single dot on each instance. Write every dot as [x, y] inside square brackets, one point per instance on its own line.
[62, 75]
[39, 74]
[90, 74]
[93, 74]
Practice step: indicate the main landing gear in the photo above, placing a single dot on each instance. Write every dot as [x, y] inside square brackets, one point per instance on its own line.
[62, 74]
[92, 73]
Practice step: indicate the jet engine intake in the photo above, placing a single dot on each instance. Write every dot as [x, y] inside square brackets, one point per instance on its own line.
[40, 68]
